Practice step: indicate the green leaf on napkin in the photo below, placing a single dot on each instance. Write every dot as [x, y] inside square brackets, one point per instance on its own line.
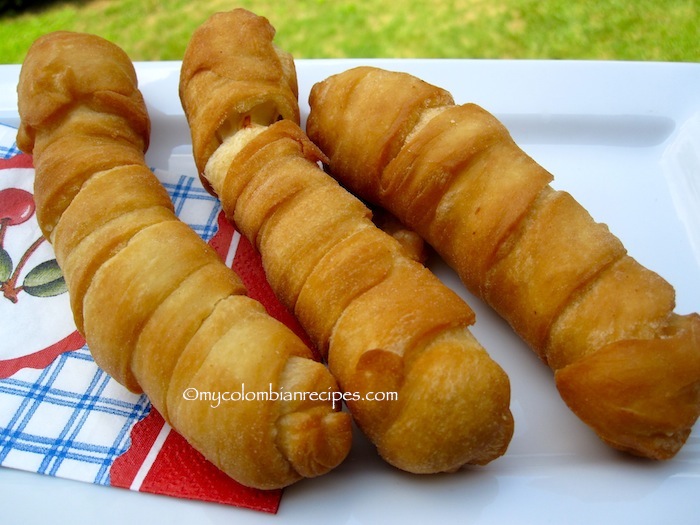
[5, 265]
[45, 280]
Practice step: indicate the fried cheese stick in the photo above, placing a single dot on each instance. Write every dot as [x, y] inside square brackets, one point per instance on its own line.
[161, 313]
[624, 362]
[383, 321]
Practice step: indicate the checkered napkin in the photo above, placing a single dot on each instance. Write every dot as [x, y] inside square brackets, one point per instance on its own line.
[60, 415]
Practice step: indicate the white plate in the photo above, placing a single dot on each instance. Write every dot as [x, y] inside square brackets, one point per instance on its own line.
[624, 139]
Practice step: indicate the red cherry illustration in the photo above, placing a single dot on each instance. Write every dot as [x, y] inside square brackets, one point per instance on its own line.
[16, 206]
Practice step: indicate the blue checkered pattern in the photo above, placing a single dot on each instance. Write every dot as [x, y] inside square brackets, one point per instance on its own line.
[66, 427]
[8, 146]
[9, 151]
[71, 419]
[193, 204]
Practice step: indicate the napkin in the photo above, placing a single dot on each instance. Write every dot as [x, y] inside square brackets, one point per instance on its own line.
[60, 414]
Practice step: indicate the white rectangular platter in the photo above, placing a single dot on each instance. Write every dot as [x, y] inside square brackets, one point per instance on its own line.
[624, 139]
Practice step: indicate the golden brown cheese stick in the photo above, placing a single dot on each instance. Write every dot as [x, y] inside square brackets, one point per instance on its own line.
[160, 311]
[384, 322]
[624, 362]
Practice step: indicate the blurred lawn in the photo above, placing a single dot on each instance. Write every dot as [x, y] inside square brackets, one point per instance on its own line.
[664, 30]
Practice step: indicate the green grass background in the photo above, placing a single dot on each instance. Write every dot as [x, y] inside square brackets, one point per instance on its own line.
[650, 30]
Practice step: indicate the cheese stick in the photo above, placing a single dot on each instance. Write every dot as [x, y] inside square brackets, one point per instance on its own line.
[415, 379]
[160, 312]
[624, 362]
